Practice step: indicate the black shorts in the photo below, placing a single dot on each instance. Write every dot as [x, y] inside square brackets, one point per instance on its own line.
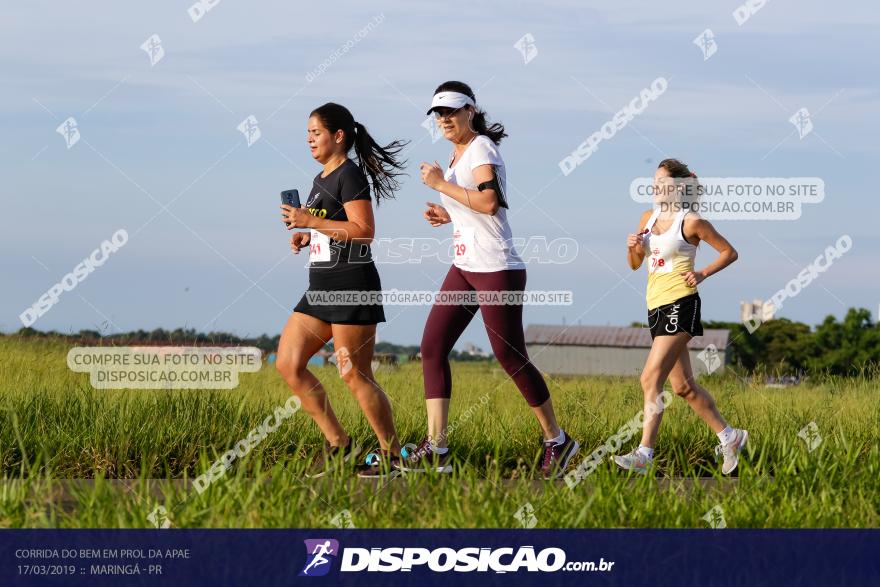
[682, 315]
[354, 277]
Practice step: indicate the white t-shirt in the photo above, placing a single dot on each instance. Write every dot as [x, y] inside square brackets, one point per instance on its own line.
[481, 242]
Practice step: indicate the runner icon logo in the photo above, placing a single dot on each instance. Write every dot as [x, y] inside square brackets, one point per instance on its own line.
[319, 554]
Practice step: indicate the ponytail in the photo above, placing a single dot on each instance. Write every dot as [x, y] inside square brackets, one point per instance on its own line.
[379, 164]
[494, 131]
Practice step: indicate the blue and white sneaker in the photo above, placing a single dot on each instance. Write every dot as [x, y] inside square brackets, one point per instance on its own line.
[379, 464]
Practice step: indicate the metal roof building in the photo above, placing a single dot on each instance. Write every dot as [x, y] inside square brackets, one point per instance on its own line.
[613, 350]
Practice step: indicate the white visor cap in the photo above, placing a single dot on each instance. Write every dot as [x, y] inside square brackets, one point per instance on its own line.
[450, 100]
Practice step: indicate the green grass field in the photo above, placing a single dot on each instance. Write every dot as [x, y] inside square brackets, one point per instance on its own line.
[54, 427]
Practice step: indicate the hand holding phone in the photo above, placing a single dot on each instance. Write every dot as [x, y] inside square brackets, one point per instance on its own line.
[290, 198]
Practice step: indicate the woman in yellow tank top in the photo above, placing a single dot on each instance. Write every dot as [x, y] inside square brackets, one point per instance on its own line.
[668, 237]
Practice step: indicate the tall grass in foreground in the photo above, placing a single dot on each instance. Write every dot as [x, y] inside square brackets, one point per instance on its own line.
[53, 427]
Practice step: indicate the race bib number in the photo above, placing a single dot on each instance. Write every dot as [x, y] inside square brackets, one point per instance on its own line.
[658, 264]
[319, 247]
[463, 242]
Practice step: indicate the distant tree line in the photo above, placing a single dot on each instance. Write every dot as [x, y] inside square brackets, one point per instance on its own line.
[847, 347]
[189, 336]
[782, 346]
[159, 336]
[413, 351]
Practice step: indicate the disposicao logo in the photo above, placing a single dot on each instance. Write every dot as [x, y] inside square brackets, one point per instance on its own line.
[319, 554]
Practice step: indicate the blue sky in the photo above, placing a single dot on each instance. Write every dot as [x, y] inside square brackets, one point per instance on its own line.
[153, 135]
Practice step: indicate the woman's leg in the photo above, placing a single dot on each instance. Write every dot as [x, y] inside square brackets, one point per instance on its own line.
[664, 353]
[701, 401]
[442, 330]
[302, 337]
[504, 326]
[547, 419]
[354, 354]
[733, 440]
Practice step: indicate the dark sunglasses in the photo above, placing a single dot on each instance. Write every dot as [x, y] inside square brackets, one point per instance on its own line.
[446, 112]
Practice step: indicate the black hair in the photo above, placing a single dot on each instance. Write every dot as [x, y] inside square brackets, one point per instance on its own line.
[378, 163]
[494, 131]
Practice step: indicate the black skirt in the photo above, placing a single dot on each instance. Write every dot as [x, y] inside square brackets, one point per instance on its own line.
[356, 277]
[682, 315]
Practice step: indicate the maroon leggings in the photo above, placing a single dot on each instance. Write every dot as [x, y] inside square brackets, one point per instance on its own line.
[503, 325]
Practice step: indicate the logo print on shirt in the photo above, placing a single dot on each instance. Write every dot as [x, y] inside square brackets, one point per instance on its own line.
[657, 260]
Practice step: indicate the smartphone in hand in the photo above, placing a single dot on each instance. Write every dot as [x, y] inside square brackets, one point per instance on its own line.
[291, 198]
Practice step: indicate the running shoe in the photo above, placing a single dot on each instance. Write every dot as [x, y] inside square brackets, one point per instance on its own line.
[333, 457]
[731, 450]
[555, 457]
[379, 464]
[422, 458]
[634, 461]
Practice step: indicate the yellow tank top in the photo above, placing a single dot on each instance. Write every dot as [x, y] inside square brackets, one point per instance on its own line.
[668, 256]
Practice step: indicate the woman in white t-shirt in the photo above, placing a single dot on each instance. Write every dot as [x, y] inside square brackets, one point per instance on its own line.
[472, 194]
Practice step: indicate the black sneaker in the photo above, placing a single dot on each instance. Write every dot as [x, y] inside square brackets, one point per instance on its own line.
[423, 459]
[556, 457]
[332, 458]
[379, 464]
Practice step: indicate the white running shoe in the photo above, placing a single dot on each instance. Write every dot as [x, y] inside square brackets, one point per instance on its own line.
[634, 461]
[731, 450]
